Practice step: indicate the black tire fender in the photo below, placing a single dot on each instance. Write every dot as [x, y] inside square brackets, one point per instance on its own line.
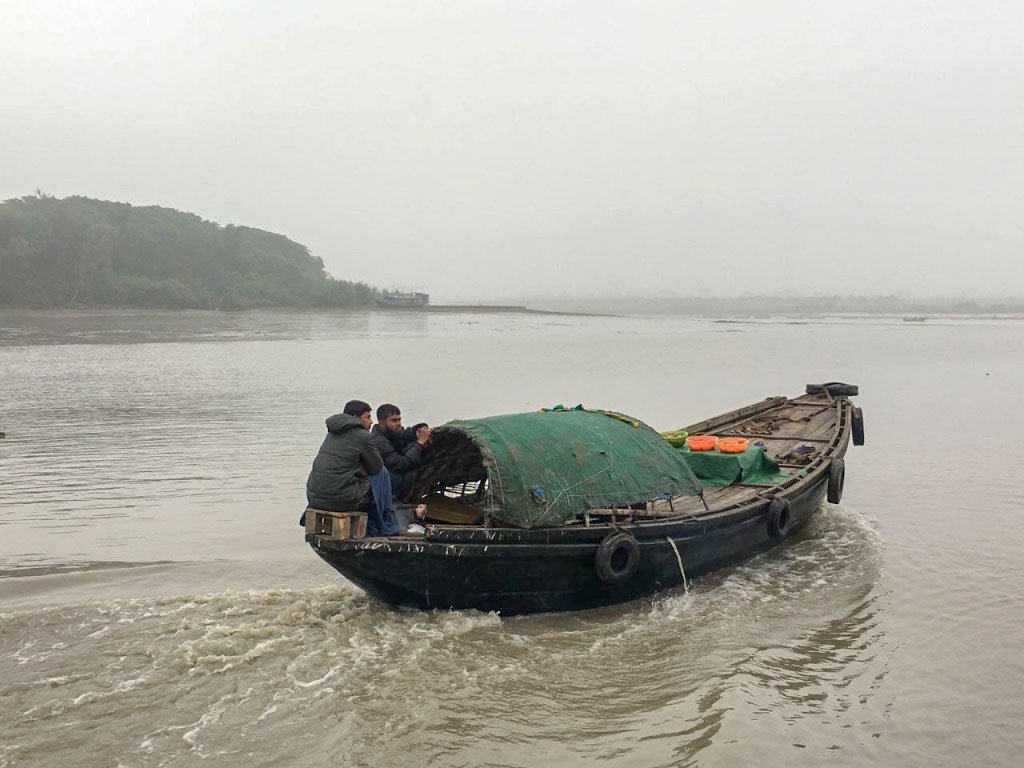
[779, 519]
[834, 388]
[836, 479]
[617, 558]
[857, 422]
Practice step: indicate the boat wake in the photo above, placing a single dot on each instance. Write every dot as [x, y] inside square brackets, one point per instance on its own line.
[336, 676]
[840, 549]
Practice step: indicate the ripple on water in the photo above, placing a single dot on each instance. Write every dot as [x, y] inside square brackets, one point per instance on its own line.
[785, 640]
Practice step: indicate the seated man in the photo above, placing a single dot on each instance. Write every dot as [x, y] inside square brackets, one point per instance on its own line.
[400, 448]
[346, 467]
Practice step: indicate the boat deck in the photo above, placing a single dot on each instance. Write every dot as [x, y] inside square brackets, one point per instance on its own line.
[780, 423]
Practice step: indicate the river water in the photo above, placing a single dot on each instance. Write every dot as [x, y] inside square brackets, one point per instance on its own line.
[159, 607]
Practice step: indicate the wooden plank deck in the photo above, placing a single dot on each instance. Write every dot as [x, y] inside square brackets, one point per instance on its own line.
[780, 424]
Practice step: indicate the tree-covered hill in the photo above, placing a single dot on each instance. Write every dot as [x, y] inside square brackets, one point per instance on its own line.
[80, 252]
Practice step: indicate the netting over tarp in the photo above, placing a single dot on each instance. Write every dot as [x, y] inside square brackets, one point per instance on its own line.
[545, 468]
[752, 466]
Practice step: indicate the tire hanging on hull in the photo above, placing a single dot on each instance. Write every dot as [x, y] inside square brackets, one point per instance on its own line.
[833, 388]
[857, 424]
[836, 480]
[617, 558]
[778, 519]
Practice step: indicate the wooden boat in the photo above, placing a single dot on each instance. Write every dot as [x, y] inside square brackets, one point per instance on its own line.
[398, 300]
[470, 556]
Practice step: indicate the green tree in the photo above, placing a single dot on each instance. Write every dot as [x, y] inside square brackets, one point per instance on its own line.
[79, 251]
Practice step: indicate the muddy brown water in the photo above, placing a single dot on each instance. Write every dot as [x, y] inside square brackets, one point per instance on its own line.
[158, 606]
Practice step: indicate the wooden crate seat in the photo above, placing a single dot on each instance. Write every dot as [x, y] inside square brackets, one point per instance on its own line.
[336, 525]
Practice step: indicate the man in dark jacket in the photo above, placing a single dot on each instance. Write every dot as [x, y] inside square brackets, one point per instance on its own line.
[401, 448]
[339, 480]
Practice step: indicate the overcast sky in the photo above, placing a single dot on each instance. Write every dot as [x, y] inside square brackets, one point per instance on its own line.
[478, 149]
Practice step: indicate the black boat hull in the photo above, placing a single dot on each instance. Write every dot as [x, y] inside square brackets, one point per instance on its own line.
[514, 574]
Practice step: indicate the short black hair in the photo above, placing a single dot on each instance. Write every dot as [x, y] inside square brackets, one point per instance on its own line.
[385, 410]
[356, 408]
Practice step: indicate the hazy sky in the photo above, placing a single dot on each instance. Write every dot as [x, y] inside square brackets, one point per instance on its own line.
[499, 149]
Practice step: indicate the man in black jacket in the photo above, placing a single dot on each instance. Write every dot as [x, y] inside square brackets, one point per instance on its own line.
[401, 448]
[339, 480]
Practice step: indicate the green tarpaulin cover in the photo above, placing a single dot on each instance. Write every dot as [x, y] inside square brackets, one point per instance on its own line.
[717, 468]
[546, 467]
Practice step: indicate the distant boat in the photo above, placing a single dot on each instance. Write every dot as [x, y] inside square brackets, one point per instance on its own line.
[914, 319]
[396, 300]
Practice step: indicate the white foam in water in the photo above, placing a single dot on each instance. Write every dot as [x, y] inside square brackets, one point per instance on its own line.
[836, 541]
[238, 665]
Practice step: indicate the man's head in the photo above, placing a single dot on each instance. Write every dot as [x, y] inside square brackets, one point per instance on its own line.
[361, 411]
[389, 418]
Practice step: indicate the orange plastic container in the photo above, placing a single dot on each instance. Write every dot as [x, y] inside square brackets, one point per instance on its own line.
[701, 442]
[732, 444]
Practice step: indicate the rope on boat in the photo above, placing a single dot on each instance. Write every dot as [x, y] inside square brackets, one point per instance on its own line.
[686, 585]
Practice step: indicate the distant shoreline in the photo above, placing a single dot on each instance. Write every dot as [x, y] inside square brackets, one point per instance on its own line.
[764, 307]
[491, 309]
[721, 310]
[485, 309]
